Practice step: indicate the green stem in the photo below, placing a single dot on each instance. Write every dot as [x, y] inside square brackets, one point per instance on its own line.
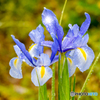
[88, 76]
[62, 12]
[59, 79]
[53, 83]
[73, 98]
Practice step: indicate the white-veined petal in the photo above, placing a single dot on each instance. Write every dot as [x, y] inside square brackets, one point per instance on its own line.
[71, 66]
[83, 58]
[44, 74]
[15, 71]
[33, 50]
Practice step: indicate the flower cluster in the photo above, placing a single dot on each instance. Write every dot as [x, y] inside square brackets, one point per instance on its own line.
[74, 45]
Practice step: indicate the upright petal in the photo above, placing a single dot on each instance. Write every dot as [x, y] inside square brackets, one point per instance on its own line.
[23, 49]
[35, 50]
[43, 60]
[15, 71]
[50, 21]
[85, 25]
[83, 58]
[37, 35]
[84, 40]
[44, 74]
[74, 29]
[47, 43]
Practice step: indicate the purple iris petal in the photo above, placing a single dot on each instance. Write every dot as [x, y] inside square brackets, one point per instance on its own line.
[50, 21]
[47, 43]
[37, 35]
[54, 49]
[55, 59]
[74, 29]
[84, 40]
[85, 25]
[23, 49]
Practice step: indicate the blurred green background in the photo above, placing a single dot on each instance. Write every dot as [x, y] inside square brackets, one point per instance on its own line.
[19, 17]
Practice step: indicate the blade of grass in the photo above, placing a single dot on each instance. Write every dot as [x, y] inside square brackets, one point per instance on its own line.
[53, 83]
[73, 98]
[62, 12]
[89, 74]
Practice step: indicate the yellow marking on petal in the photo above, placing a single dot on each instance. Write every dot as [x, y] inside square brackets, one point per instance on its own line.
[31, 47]
[35, 58]
[15, 62]
[42, 71]
[83, 53]
[69, 59]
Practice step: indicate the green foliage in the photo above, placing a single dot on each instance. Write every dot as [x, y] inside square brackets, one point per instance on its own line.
[42, 93]
[63, 80]
[53, 82]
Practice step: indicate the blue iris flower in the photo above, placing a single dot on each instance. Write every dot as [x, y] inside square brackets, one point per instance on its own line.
[41, 65]
[74, 44]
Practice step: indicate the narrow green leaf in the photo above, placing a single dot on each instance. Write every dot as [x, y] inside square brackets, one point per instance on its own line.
[73, 98]
[65, 81]
[53, 82]
[39, 94]
[59, 80]
[45, 92]
[70, 87]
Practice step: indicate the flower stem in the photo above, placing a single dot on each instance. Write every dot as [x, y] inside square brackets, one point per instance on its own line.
[53, 83]
[88, 76]
[40, 91]
[62, 12]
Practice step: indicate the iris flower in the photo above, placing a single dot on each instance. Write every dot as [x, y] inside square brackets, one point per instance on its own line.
[41, 69]
[74, 44]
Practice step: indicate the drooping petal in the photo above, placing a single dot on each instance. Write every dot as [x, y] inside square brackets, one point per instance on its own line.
[50, 21]
[43, 60]
[44, 74]
[83, 58]
[85, 25]
[47, 43]
[37, 35]
[15, 71]
[71, 66]
[23, 49]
